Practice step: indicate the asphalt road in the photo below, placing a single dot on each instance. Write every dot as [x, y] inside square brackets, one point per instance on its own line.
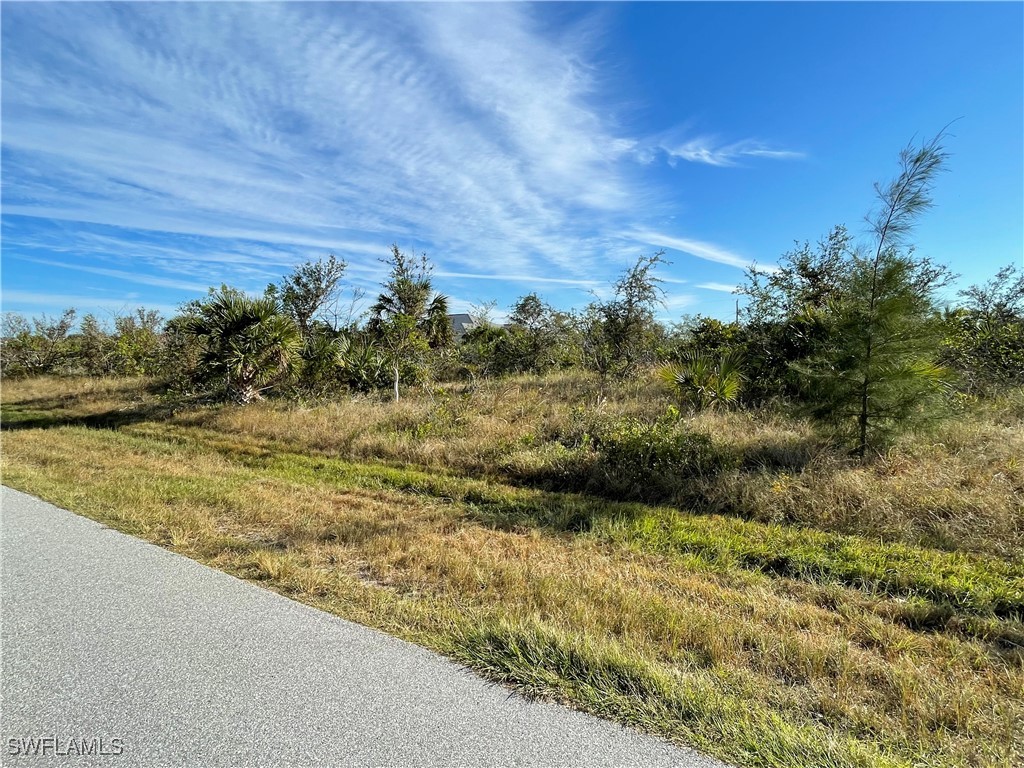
[109, 644]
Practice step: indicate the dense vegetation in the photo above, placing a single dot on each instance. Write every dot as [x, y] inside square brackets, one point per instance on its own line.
[795, 539]
[852, 334]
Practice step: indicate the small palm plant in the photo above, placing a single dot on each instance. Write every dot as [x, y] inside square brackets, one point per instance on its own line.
[249, 344]
[704, 382]
[365, 367]
[323, 360]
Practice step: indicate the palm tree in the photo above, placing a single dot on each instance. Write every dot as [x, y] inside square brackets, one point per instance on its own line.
[249, 344]
[703, 381]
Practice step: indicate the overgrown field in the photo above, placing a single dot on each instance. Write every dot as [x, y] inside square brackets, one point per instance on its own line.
[728, 580]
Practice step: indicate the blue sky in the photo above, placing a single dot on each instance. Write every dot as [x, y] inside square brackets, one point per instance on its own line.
[152, 150]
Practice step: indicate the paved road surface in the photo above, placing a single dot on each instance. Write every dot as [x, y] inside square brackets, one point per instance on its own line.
[105, 637]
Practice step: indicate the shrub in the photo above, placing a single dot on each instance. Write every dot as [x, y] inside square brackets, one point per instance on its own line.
[248, 345]
[654, 461]
[364, 366]
[704, 382]
[984, 340]
[137, 343]
[553, 466]
[39, 347]
[323, 361]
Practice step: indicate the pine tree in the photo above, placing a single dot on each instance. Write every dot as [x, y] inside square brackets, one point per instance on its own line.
[876, 373]
[408, 318]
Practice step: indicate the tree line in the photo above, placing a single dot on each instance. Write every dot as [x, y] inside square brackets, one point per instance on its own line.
[852, 333]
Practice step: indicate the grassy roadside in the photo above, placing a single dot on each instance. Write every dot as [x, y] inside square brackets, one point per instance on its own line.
[764, 643]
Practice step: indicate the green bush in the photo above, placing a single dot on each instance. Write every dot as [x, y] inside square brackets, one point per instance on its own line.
[552, 466]
[364, 366]
[702, 381]
[654, 461]
[40, 347]
[984, 338]
[248, 345]
[623, 459]
[987, 356]
[322, 371]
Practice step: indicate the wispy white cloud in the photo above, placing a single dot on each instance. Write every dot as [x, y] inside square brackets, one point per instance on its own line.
[34, 302]
[723, 287]
[701, 250]
[243, 139]
[673, 304]
[460, 126]
[519, 278]
[122, 274]
[669, 310]
[709, 150]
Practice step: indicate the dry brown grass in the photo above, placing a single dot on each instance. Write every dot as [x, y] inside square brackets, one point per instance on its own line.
[959, 488]
[755, 667]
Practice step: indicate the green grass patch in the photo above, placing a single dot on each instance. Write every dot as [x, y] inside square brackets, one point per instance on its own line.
[966, 583]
